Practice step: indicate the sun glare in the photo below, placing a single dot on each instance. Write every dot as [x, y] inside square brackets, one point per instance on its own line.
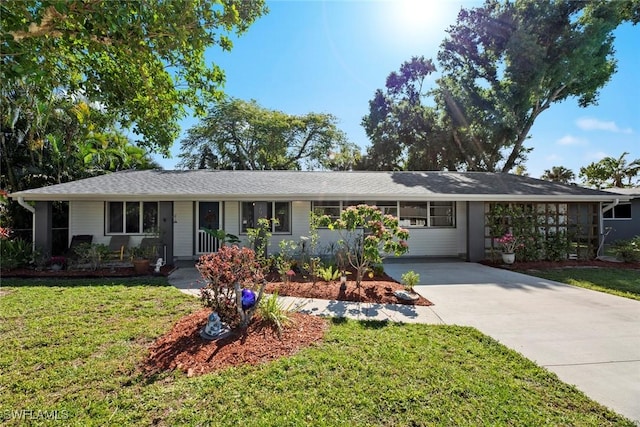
[425, 20]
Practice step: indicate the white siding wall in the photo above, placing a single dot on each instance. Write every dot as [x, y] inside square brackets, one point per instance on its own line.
[183, 234]
[231, 218]
[87, 217]
[433, 242]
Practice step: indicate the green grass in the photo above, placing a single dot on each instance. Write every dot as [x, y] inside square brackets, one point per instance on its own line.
[76, 350]
[620, 282]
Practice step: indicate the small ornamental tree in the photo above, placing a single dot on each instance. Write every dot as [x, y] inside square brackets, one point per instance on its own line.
[367, 235]
[235, 284]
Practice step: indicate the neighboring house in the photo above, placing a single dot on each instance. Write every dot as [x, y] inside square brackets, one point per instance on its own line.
[444, 211]
[622, 220]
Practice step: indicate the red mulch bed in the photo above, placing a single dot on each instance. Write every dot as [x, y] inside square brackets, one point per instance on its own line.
[182, 348]
[549, 265]
[378, 289]
[81, 273]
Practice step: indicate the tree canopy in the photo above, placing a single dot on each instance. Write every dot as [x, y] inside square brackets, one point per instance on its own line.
[501, 65]
[559, 174]
[58, 139]
[242, 135]
[45, 141]
[143, 60]
[611, 172]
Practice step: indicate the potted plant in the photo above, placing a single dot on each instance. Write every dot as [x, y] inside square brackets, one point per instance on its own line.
[139, 259]
[509, 244]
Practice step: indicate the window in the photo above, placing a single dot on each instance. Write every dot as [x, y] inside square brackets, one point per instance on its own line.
[252, 211]
[412, 214]
[388, 208]
[621, 211]
[330, 208]
[427, 214]
[283, 216]
[441, 214]
[132, 217]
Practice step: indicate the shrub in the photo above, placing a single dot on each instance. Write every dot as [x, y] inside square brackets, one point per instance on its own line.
[328, 273]
[260, 238]
[92, 254]
[275, 313]
[410, 279]
[627, 250]
[378, 269]
[366, 234]
[15, 253]
[556, 246]
[284, 260]
[228, 273]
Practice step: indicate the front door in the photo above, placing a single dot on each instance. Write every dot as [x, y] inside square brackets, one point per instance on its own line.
[208, 218]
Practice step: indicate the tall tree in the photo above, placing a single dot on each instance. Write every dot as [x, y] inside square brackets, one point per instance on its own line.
[54, 140]
[407, 134]
[58, 139]
[559, 174]
[243, 135]
[502, 65]
[611, 172]
[141, 59]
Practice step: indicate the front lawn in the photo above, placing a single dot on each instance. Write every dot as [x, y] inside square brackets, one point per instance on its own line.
[621, 282]
[73, 350]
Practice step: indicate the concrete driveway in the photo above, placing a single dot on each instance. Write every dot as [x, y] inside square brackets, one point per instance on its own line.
[589, 339]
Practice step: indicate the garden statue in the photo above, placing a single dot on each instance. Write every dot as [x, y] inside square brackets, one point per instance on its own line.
[159, 264]
[248, 299]
[214, 329]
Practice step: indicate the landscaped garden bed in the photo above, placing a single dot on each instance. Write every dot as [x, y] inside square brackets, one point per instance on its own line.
[378, 289]
[182, 347]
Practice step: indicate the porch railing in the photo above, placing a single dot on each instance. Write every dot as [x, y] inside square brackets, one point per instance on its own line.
[206, 243]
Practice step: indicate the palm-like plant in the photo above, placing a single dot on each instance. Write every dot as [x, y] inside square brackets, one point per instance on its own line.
[559, 174]
[611, 172]
[620, 171]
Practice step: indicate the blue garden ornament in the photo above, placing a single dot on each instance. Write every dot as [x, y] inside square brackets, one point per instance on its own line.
[248, 299]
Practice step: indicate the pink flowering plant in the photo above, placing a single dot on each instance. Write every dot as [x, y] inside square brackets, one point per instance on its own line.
[5, 233]
[509, 243]
[367, 236]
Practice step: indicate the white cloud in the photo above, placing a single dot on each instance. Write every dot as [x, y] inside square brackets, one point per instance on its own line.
[588, 123]
[596, 155]
[572, 140]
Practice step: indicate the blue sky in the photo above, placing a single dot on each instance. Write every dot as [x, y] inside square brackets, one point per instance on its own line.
[331, 56]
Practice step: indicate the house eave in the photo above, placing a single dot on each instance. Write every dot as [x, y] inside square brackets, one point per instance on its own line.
[320, 196]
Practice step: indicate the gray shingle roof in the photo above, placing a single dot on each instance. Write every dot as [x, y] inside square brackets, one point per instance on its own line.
[633, 192]
[311, 185]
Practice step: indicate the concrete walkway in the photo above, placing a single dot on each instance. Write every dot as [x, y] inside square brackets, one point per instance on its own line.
[589, 339]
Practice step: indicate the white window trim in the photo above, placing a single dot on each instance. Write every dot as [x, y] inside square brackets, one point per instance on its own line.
[613, 211]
